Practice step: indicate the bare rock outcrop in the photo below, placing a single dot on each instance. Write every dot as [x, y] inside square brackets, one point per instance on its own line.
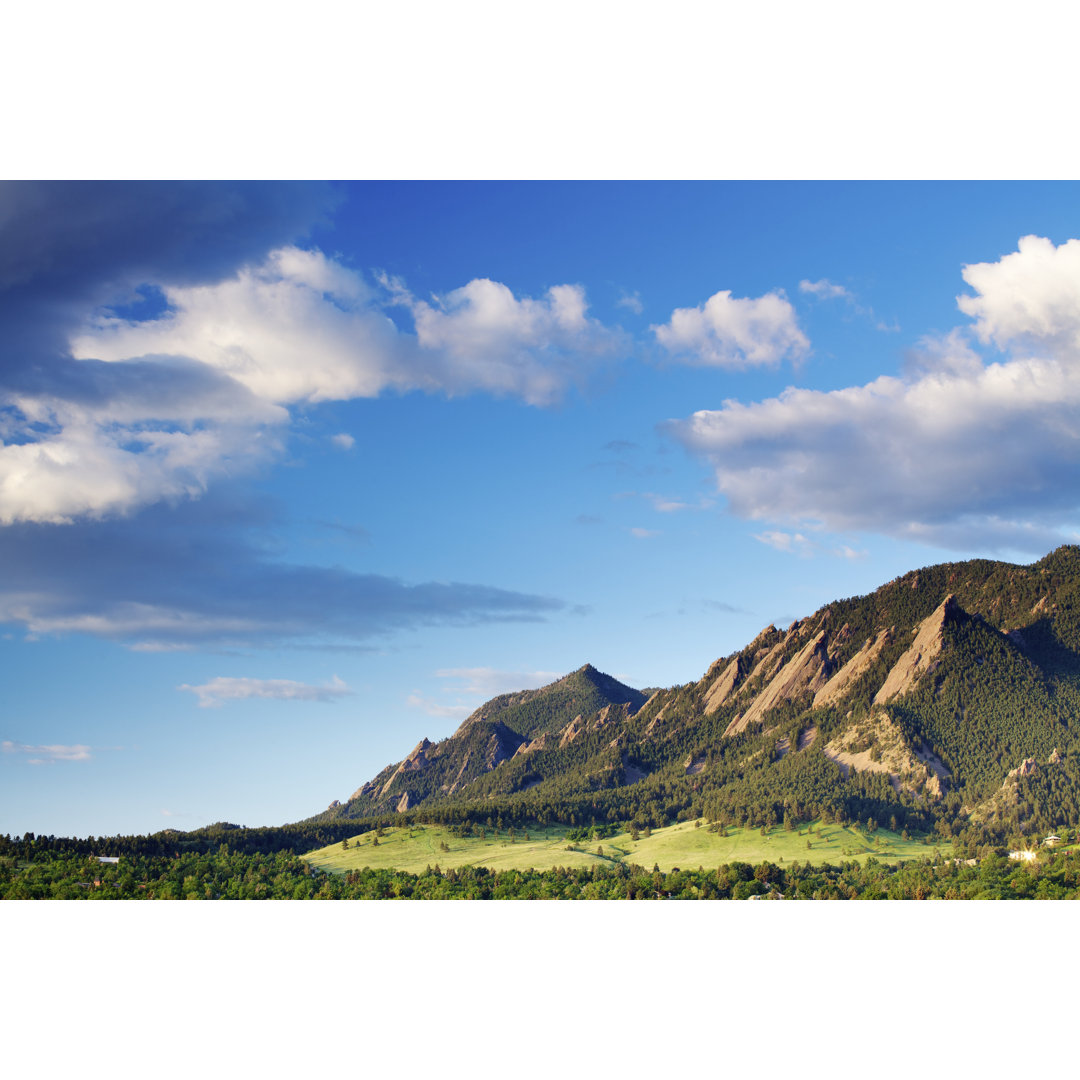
[539, 743]
[807, 670]
[919, 658]
[1025, 768]
[572, 731]
[694, 764]
[877, 744]
[413, 763]
[770, 660]
[722, 686]
[853, 670]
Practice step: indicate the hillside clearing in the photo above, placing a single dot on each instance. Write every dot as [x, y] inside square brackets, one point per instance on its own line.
[683, 845]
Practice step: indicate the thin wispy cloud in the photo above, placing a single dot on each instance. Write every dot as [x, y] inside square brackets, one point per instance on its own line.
[48, 754]
[668, 504]
[224, 688]
[490, 682]
[466, 688]
[722, 606]
[789, 542]
[432, 707]
[824, 289]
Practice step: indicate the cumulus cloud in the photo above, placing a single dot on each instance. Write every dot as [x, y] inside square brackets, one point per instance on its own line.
[643, 534]
[343, 441]
[1029, 298]
[631, 301]
[108, 405]
[86, 438]
[733, 332]
[189, 575]
[230, 688]
[296, 327]
[959, 451]
[482, 337]
[47, 755]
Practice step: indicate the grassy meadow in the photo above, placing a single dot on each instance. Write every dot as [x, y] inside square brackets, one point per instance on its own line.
[684, 845]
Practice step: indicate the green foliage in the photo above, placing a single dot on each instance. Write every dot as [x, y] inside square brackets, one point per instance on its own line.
[281, 876]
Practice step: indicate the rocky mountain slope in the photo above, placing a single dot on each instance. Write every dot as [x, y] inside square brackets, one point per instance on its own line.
[915, 703]
[505, 728]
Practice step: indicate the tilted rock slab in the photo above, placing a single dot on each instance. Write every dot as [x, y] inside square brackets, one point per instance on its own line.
[850, 673]
[807, 670]
[924, 649]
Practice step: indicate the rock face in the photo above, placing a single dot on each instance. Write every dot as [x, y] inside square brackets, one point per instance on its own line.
[722, 687]
[852, 671]
[877, 744]
[807, 671]
[413, 763]
[920, 657]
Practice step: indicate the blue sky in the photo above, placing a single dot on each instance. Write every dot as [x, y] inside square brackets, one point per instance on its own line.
[294, 475]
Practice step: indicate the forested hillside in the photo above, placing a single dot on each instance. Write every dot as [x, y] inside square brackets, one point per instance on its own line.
[948, 700]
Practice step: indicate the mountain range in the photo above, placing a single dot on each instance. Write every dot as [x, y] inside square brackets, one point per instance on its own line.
[947, 700]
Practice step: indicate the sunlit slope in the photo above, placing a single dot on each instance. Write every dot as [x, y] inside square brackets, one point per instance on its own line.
[683, 845]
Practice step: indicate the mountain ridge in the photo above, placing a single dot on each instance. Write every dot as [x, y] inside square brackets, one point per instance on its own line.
[909, 703]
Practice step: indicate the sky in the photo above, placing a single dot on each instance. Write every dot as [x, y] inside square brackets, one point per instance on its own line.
[293, 475]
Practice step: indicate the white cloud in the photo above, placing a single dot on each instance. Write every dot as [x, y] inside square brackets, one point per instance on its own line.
[228, 688]
[47, 755]
[1030, 297]
[644, 534]
[156, 409]
[483, 337]
[733, 332]
[91, 466]
[631, 301]
[343, 441]
[956, 452]
[824, 289]
[298, 327]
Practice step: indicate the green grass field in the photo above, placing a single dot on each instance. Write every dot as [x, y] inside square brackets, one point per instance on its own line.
[684, 845]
